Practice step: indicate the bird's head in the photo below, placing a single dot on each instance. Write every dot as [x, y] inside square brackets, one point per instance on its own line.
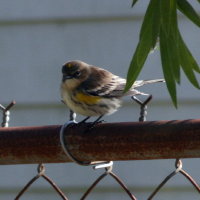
[74, 73]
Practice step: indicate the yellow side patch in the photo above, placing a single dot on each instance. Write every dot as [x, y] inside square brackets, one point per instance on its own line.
[88, 99]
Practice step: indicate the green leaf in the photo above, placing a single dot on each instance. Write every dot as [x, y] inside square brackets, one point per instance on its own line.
[170, 36]
[186, 62]
[173, 56]
[151, 22]
[167, 66]
[168, 14]
[160, 21]
[186, 52]
[137, 62]
[133, 2]
[185, 7]
[169, 48]
[148, 38]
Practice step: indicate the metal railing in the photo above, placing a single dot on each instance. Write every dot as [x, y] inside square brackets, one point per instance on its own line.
[107, 141]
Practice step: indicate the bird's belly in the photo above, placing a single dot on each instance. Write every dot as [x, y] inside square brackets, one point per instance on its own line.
[103, 106]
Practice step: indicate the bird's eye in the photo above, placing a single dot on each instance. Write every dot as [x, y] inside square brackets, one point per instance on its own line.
[77, 74]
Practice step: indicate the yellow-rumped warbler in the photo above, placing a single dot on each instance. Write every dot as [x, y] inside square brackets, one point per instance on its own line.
[92, 91]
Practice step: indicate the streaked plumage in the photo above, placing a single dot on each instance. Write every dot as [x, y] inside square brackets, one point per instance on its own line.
[92, 91]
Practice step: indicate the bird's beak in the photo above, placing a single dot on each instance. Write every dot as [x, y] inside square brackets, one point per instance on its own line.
[65, 77]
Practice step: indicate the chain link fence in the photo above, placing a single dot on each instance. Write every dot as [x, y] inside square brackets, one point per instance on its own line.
[41, 171]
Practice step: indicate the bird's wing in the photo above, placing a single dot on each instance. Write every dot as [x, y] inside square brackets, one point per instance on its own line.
[105, 84]
[102, 83]
[120, 83]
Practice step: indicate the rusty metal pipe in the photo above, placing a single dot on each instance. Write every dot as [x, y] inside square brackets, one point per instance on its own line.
[109, 141]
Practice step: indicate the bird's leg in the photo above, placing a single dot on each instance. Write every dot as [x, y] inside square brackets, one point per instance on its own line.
[84, 120]
[96, 122]
[92, 125]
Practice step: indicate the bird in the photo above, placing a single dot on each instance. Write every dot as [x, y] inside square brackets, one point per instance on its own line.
[92, 91]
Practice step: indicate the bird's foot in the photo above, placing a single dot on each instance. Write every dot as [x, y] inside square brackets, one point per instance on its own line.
[93, 124]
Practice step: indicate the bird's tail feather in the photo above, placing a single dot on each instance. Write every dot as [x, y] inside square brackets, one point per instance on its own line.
[140, 83]
[144, 82]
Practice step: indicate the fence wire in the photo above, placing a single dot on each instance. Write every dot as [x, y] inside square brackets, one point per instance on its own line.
[108, 170]
[41, 173]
